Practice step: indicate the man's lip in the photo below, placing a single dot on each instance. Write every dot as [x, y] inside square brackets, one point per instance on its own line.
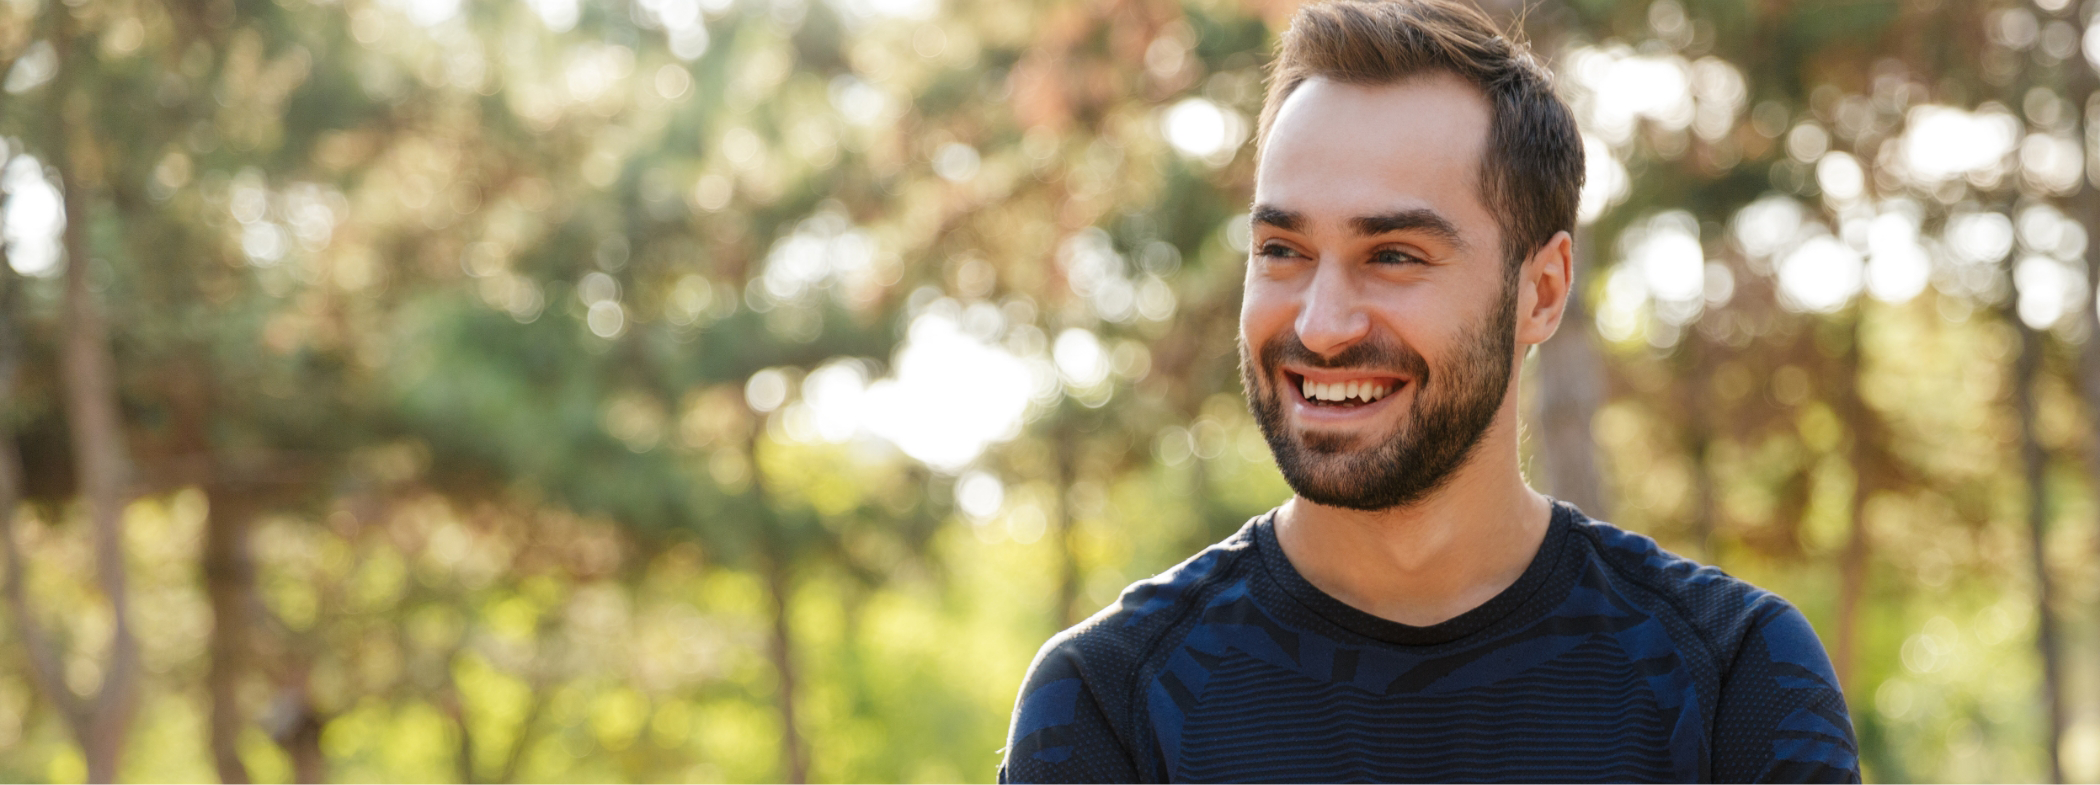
[1300, 374]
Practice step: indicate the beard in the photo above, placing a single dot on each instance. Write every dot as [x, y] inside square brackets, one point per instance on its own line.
[1454, 403]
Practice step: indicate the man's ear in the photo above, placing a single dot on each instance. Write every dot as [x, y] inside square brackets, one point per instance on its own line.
[1543, 286]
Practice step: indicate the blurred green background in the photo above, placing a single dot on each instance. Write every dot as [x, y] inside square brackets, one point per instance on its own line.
[578, 390]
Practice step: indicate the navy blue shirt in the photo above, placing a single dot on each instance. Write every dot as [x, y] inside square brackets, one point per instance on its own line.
[1608, 659]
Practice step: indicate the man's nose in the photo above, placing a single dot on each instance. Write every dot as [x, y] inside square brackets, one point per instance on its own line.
[1331, 317]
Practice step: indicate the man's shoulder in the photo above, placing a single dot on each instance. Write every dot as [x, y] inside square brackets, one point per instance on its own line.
[1117, 639]
[1075, 717]
[1720, 607]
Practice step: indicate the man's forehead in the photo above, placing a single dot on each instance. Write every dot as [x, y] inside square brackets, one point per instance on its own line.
[1340, 151]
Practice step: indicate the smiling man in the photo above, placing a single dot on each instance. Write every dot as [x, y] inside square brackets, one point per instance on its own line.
[1416, 611]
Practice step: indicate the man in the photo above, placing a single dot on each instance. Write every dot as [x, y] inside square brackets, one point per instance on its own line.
[1415, 611]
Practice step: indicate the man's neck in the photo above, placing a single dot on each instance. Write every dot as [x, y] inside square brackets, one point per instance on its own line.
[1430, 561]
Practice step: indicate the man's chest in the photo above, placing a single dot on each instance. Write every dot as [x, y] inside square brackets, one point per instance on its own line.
[1564, 708]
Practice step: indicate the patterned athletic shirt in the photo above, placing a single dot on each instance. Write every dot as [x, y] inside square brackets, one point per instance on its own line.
[1608, 660]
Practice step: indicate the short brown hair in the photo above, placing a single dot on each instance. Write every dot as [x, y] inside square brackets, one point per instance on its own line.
[1531, 173]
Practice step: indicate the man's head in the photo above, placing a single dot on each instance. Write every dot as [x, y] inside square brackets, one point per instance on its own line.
[1417, 182]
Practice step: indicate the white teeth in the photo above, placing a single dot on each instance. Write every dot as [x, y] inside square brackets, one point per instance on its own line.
[1365, 391]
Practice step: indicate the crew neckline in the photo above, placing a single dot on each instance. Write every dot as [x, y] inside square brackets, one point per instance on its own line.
[1543, 564]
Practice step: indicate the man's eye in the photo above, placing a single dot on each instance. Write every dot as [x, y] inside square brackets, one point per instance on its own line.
[1275, 251]
[1394, 257]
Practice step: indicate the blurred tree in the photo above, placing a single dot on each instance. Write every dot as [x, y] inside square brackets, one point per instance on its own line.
[102, 720]
[499, 341]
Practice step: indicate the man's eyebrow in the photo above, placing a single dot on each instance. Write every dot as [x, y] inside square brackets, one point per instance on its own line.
[1416, 220]
[1279, 218]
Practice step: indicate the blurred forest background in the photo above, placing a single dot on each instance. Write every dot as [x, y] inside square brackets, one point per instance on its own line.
[575, 390]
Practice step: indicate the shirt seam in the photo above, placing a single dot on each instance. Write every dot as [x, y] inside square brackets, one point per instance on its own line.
[1094, 695]
[1713, 722]
[1195, 593]
[1713, 648]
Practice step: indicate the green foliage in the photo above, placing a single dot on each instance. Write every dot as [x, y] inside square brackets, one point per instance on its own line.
[457, 322]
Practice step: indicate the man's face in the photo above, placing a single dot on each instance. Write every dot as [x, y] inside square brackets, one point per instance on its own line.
[1376, 333]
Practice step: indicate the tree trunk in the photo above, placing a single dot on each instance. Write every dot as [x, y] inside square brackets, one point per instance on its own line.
[308, 763]
[2083, 89]
[521, 741]
[44, 667]
[794, 763]
[1866, 458]
[229, 579]
[1062, 531]
[10, 356]
[296, 727]
[1571, 388]
[455, 708]
[528, 729]
[97, 433]
[2034, 462]
[2085, 208]
[1699, 437]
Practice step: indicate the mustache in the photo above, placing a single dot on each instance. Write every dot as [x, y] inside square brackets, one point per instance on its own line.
[1377, 353]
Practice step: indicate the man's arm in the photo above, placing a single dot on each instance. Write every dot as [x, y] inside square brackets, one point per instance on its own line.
[1781, 716]
[1059, 731]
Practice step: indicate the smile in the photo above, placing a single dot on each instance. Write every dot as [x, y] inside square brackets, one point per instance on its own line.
[1342, 390]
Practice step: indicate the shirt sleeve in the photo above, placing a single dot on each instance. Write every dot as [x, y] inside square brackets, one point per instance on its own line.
[1781, 716]
[1060, 732]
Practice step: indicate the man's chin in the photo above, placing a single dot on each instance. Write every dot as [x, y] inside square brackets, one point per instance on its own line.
[1322, 487]
[1334, 443]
